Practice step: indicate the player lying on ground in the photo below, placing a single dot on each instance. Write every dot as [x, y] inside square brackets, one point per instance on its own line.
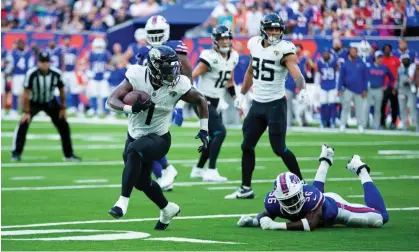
[148, 125]
[307, 206]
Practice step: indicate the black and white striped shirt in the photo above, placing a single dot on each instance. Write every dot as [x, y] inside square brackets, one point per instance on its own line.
[42, 86]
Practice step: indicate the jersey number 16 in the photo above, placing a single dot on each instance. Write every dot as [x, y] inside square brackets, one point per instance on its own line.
[222, 78]
[267, 72]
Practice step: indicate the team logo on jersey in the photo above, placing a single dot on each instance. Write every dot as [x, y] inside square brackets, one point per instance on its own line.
[215, 61]
[173, 93]
[276, 53]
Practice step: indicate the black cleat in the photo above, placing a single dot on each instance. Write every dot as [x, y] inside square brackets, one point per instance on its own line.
[116, 212]
[161, 226]
[15, 157]
[241, 193]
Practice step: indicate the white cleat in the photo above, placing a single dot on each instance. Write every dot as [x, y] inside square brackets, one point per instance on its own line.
[197, 172]
[327, 154]
[212, 175]
[355, 165]
[172, 171]
[342, 128]
[360, 129]
[166, 180]
[166, 215]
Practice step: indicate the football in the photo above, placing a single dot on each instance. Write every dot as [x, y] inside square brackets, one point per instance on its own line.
[132, 96]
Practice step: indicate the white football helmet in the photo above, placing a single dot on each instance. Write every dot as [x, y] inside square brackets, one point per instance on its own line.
[98, 44]
[158, 30]
[364, 48]
[140, 34]
[288, 189]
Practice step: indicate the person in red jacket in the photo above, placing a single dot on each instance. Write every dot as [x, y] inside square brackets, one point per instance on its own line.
[393, 63]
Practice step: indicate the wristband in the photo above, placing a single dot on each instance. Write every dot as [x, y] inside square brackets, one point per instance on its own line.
[279, 225]
[127, 109]
[204, 124]
[305, 224]
[232, 91]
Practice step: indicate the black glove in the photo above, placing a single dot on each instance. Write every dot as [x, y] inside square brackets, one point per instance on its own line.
[138, 106]
[203, 135]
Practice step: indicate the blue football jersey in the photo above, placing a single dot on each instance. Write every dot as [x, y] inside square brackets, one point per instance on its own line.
[3, 59]
[313, 199]
[20, 61]
[177, 45]
[55, 56]
[98, 63]
[341, 55]
[116, 76]
[70, 59]
[136, 50]
[327, 74]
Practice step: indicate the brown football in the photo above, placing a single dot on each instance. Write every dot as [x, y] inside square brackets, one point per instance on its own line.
[132, 96]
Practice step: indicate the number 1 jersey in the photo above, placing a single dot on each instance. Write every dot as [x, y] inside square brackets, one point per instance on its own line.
[268, 73]
[212, 83]
[157, 118]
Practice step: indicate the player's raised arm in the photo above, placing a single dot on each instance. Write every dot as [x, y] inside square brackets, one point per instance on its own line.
[193, 96]
[309, 223]
[290, 61]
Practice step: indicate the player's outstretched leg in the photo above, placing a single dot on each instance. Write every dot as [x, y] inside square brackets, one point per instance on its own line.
[166, 215]
[372, 196]
[217, 139]
[326, 160]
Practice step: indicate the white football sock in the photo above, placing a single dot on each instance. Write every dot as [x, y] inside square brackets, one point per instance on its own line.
[246, 187]
[322, 172]
[122, 203]
[364, 176]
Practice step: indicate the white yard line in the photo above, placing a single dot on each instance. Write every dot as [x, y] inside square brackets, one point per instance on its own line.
[190, 161]
[28, 178]
[86, 181]
[198, 183]
[193, 145]
[199, 217]
[216, 188]
[355, 196]
[398, 152]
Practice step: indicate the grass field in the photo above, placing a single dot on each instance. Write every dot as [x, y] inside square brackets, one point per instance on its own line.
[51, 205]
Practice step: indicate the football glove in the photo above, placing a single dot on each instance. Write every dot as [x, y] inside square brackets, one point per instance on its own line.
[203, 135]
[238, 102]
[303, 97]
[177, 116]
[327, 154]
[138, 106]
[247, 221]
[266, 223]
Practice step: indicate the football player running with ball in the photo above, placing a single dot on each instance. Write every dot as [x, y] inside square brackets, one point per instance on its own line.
[216, 70]
[308, 206]
[272, 58]
[148, 126]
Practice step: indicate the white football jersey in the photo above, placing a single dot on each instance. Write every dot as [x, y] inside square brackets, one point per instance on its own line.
[213, 82]
[156, 119]
[268, 73]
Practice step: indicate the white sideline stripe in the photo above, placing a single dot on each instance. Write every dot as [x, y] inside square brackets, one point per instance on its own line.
[191, 161]
[187, 184]
[113, 121]
[225, 145]
[398, 152]
[28, 178]
[179, 239]
[355, 196]
[56, 137]
[222, 188]
[198, 217]
[81, 181]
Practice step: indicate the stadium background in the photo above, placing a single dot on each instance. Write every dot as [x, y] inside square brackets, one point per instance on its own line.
[43, 193]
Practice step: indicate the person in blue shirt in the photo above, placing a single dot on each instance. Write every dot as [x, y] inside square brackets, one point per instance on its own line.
[140, 47]
[411, 18]
[69, 54]
[98, 86]
[403, 49]
[308, 207]
[3, 79]
[301, 19]
[19, 61]
[377, 73]
[284, 11]
[338, 52]
[326, 78]
[353, 78]
[56, 54]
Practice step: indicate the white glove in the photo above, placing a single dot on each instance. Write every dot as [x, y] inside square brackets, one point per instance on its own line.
[266, 223]
[238, 102]
[303, 97]
[245, 221]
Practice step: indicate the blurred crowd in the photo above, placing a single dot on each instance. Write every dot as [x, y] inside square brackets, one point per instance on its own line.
[73, 16]
[336, 18]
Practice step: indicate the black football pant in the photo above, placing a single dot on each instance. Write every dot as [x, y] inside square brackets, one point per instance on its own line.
[138, 156]
[394, 102]
[52, 109]
[260, 116]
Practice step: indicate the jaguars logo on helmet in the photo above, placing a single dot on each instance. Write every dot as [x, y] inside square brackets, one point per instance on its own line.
[164, 65]
[270, 21]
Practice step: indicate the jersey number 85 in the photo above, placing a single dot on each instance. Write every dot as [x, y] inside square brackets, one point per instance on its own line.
[267, 72]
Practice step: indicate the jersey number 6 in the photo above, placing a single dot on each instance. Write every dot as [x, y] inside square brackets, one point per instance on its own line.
[221, 81]
[267, 72]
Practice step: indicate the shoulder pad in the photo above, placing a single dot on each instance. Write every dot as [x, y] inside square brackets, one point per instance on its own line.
[253, 41]
[178, 46]
[183, 86]
[286, 47]
[135, 74]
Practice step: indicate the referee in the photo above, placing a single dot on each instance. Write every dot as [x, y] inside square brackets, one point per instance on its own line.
[39, 85]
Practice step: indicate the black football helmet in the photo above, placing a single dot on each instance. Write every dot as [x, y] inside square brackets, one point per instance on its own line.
[272, 20]
[221, 31]
[164, 65]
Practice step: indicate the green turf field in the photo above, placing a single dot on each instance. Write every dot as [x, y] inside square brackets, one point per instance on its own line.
[51, 205]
